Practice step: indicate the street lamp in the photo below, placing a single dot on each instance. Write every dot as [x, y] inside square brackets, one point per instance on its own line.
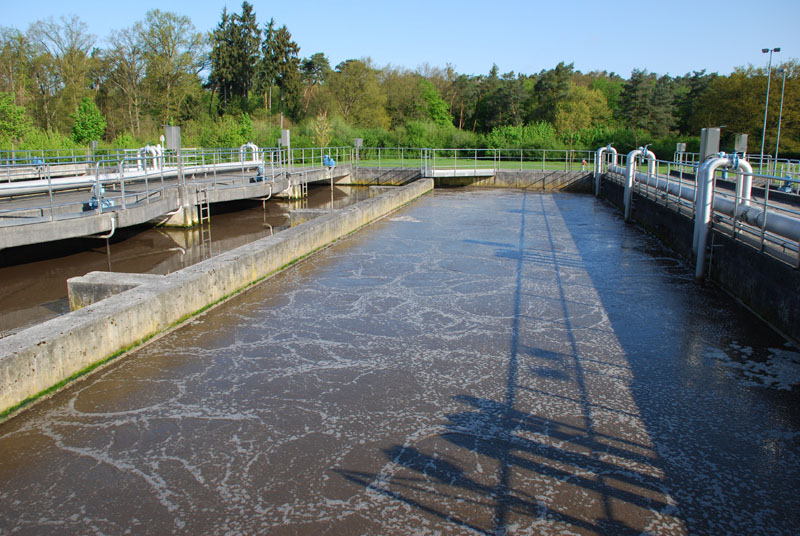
[780, 71]
[766, 105]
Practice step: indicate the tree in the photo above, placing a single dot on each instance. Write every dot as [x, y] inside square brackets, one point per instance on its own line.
[610, 85]
[551, 87]
[174, 54]
[636, 100]
[487, 111]
[321, 130]
[14, 122]
[126, 70]
[313, 72]
[15, 56]
[279, 66]
[465, 99]
[234, 55]
[661, 117]
[357, 94]
[47, 83]
[404, 102]
[435, 108]
[689, 89]
[67, 45]
[267, 68]
[583, 108]
[89, 124]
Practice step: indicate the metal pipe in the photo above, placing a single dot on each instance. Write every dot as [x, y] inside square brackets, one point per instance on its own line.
[702, 220]
[113, 228]
[744, 184]
[779, 224]
[243, 151]
[613, 151]
[598, 169]
[630, 169]
[598, 165]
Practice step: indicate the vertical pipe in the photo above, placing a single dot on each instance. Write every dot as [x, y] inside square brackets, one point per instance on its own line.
[764, 215]
[630, 170]
[704, 195]
[50, 192]
[598, 170]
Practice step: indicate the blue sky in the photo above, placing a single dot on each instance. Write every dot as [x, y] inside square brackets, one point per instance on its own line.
[673, 37]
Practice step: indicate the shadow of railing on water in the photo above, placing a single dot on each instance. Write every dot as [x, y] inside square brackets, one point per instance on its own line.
[524, 444]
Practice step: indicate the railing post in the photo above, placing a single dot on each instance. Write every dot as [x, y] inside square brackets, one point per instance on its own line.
[764, 219]
[122, 185]
[50, 192]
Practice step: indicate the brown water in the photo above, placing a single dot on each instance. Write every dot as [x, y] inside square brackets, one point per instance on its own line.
[478, 363]
[34, 278]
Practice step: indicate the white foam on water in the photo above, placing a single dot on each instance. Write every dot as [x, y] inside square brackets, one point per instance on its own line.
[780, 370]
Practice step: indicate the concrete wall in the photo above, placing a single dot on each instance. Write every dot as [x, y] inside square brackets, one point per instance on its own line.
[41, 357]
[576, 181]
[573, 181]
[763, 283]
[378, 177]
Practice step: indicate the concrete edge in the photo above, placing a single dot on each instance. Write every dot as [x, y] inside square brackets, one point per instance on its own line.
[43, 358]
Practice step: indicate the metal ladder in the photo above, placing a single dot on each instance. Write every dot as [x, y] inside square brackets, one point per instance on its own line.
[204, 210]
[203, 205]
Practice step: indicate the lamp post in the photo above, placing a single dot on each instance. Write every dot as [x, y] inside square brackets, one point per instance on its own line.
[780, 71]
[766, 105]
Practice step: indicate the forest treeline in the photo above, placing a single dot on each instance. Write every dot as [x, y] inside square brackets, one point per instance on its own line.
[60, 86]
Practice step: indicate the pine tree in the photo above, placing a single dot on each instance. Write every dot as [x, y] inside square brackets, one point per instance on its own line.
[636, 100]
[234, 55]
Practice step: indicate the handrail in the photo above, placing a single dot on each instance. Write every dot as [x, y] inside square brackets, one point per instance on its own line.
[777, 224]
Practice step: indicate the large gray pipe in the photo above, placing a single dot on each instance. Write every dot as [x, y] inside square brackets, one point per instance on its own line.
[702, 217]
[598, 165]
[630, 171]
[779, 224]
[598, 169]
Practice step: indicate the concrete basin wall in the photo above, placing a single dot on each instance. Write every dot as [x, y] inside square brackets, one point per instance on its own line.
[764, 284]
[45, 356]
[574, 181]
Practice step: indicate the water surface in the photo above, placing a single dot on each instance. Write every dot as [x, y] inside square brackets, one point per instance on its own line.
[35, 277]
[479, 362]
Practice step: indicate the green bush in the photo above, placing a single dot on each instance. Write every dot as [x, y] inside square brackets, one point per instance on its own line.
[540, 135]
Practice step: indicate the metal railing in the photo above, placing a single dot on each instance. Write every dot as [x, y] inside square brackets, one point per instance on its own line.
[767, 219]
[476, 159]
[313, 157]
[110, 184]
